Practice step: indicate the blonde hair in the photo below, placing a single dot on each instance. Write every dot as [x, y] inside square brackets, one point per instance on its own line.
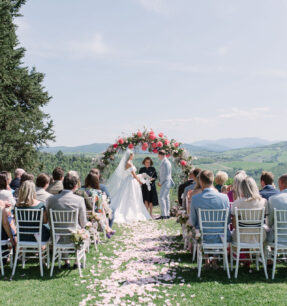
[238, 178]
[77, 176]
[221, 177]
[224, 189]
[27, 194]
[249, 190]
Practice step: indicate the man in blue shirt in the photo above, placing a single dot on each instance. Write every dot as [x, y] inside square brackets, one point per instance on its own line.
[210, 198]
[267, 183]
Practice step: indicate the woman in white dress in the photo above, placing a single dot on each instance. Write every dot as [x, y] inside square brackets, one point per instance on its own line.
[126, 194]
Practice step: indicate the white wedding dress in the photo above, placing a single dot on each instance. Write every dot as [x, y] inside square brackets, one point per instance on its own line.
[127, 200]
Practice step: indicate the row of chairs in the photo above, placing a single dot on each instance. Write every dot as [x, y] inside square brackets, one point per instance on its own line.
[249, 222]
[29, 222]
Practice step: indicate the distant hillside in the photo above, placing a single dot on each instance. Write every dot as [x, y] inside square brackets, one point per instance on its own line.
[221, 145]
[91, 148]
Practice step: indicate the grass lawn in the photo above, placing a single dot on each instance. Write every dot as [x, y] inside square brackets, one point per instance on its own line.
[66, 288]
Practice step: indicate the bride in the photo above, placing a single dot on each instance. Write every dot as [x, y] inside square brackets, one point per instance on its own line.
[126, 193]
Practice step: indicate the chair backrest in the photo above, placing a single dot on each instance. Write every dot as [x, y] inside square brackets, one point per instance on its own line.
[63, 223]
[213, 222]
[93, 201]
[280, 226]
[29, 222]
[249, 222]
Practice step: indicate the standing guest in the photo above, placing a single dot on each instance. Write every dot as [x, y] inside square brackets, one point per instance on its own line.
[183, 186]
[221, 178]
[58, 177]
[67, 200]
[185, 199]
[16, 181]
[5, 194]
[267, 184]
[149, 196]
[27, 200]
[249, 199]
[278, 201]
[42, 183]
[208, 199]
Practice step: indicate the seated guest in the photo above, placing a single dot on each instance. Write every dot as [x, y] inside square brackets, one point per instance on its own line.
[233, 194]
[249, 199]
[193, 174]
[267, 184]
[278, 201]
[42, 183]
[221, 178]
[92, 189]
[16, 181]
[5, 194]
[208, 199]
[197, 189]
[80, 192]
[102, 186]
[9, 180]
[27, 200]
[24, 177]
[181, 188]
[6, 233]
[224, 189]
[58, 177]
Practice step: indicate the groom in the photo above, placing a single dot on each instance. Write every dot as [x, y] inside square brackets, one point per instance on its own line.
[165, 182]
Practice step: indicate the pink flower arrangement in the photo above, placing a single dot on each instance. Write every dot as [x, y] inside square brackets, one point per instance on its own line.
[176, 144]
[183, 163]
[160, 135]
[139, 133]
[152, 136]
[120, 141]
[166, 142]
[168, 155]
[155, 151]
[159, 144]
[144, 146]
[130, 146]
[115, 145]
[154, 145]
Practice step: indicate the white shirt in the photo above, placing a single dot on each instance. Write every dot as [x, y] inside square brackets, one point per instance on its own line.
[6, 195]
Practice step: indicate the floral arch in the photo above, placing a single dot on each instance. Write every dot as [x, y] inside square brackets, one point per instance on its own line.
[147, 140]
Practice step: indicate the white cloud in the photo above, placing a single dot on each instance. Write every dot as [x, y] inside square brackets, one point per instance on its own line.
[158, 6]
[251, 113]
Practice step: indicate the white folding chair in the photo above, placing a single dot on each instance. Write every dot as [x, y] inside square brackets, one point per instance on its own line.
[63, 223]
[249, 222]
[213, 223]
[29, 222]
[94, 237]
[4, 252]
[279, 247]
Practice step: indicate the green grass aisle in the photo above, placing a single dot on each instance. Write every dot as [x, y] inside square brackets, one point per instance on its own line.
[143, 264]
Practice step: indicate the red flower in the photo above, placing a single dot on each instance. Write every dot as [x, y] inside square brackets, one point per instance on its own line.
[176, 144]
[159, 144]
[154, 145]
[121, 141]
[144, 146]
[139, 133]
[155, 151]
[152, 136]
[151, 132]
[130, 146]
[166, 142]
[160, 135]
[183, 163]
[115, 145]
[168, 155]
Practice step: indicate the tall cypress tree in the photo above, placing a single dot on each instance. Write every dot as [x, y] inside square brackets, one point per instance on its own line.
[23, 125]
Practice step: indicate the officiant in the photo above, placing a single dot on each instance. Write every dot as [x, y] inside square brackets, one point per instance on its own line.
[149, 196]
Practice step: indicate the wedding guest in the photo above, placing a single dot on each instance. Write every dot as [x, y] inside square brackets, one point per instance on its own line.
[224, 189]
[9, 179]
[249, 198]
[16, 181]
[149, 196]
[278, 201]
[221, 178]
[6, 232]
[197, 190]
[209, 198]
[58, 177]
[42, 183]
[67, 200]
[92, 189]
[24, 177]
[5, 194]
[233, 194]
[185, 199]
[102, 186]
[267, 184]
[182, 186]
[27, 200]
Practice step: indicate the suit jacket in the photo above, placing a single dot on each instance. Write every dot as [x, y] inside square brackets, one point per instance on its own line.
[55, 187]
[67, 200]
[42, 195]
[268, 191]
[165, 173]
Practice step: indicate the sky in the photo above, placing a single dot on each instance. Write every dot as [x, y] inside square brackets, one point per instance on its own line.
[191, 69]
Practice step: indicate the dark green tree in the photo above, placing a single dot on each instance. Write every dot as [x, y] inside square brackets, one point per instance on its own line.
[24, 127]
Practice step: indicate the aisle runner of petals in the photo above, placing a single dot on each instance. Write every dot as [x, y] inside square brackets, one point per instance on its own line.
[138, 269]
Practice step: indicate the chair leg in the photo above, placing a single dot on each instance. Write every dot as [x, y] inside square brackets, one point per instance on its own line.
[79, 264]
[41, 260]
[53, 262]
[226, 262]
[264, 263]
[59, 259]
[237, 262]
[11, 259]
[48, 255]
[274, 262]
[15, 261]
[194, 251]
[23, 259]
[1, 263]
[199, 261]
[257, 262]
[231, 258]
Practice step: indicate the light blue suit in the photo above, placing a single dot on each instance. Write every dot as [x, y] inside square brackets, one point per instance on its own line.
[278, 201]
[167, 183]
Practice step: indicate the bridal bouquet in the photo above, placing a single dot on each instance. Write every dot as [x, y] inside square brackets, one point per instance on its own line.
[145, 179]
